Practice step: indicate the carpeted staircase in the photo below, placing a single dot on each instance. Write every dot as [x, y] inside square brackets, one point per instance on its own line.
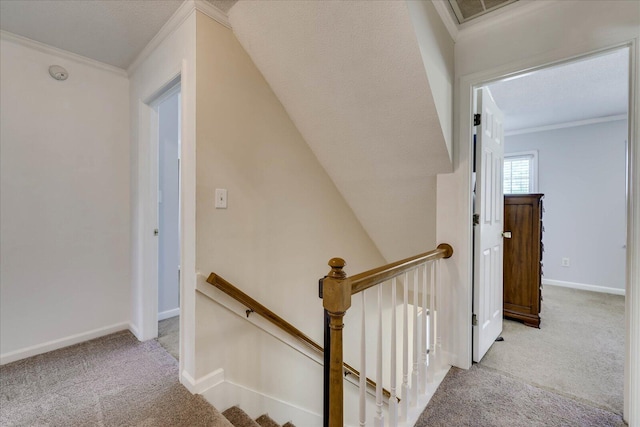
[239, 418]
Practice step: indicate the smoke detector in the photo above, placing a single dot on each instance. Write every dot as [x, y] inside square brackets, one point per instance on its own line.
[58, 72]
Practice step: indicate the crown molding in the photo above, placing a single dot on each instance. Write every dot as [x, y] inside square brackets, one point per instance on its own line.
[213, 12]
[65, 54]
[481, 23]
[447, 17]
[505, 14]
[564, 125]
[179, 16]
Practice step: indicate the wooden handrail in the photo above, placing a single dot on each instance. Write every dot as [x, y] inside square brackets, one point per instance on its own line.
[337, 290]
[367, 279]
[278, 321]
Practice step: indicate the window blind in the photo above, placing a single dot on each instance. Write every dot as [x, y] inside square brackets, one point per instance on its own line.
[517, 175]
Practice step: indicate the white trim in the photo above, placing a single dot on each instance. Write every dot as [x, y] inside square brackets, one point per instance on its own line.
[202, 384]
[582, 286]
[227, 394]
[148, 137]
[213, 12]
[34, 350]
[50, 50]
[447, 17]
[176, 20]
[135, 331]
[575, 123]
[169, 314]
[178, 17]
[504, 14]
[475, 25]
[632, 309]
[187, 217]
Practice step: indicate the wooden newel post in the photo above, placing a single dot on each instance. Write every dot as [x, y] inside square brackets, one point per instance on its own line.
[336, 301]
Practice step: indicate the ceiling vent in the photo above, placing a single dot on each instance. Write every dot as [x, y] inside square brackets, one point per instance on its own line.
[466, 10]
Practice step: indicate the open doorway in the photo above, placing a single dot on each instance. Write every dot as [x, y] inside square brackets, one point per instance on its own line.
[566, 137]
[168, 230]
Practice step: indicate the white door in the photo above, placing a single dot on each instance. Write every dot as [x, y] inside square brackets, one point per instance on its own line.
[489, 202]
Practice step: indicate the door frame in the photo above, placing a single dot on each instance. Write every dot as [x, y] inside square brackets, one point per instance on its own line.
[148, 181]
[144, 244]
[467, 86]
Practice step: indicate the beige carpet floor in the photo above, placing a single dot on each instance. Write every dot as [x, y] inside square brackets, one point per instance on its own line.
[110, 381]
[169, 335]
[570, 372]
[482, 397]
[577, 352]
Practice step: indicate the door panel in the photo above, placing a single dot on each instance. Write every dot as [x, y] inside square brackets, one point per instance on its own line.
[489, 204]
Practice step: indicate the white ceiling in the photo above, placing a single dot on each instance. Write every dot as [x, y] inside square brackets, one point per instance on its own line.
[109, 31]
[590, 88]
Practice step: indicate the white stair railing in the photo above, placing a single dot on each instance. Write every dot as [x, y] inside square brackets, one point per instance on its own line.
[418, 334]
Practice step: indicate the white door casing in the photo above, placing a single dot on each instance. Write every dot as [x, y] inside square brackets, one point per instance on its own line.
[489, 205]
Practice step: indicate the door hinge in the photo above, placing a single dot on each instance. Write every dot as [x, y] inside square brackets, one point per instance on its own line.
[476, 219]
[477, 119]
[474, 320]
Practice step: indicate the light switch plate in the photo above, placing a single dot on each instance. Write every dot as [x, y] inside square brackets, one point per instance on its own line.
[221, 198]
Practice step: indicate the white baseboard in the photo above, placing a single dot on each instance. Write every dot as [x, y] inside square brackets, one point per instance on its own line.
[203, 384]
[46, 347]
[135, 331]
[168, 314]
[227, 394]
[584, 287]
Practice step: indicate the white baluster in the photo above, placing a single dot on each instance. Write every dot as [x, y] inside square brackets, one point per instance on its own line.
[404, 404]
[379, 418]
[363, 365]
[434, 307]
[430, 368]
[416, 341]
[423, 335]
[393, 400]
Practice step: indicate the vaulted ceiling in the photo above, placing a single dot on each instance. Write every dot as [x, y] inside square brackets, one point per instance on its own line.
[353, 80]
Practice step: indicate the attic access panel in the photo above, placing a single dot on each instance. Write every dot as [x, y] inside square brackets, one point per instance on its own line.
[466, 10]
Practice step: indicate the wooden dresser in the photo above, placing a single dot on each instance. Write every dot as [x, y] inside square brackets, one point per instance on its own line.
[523, 257]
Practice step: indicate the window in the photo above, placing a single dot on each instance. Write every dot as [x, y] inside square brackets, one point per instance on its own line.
[521, 172]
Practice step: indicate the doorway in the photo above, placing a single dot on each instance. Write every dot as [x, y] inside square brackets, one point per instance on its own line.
[580, 163]
[168, 229]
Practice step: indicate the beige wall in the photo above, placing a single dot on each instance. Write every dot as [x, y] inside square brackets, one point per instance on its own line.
[436, 48]
[285, 218]
[64, 269]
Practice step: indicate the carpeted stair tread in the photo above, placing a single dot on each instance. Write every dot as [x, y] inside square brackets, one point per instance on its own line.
[239, 418]
[288, 424]
[266, 421]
